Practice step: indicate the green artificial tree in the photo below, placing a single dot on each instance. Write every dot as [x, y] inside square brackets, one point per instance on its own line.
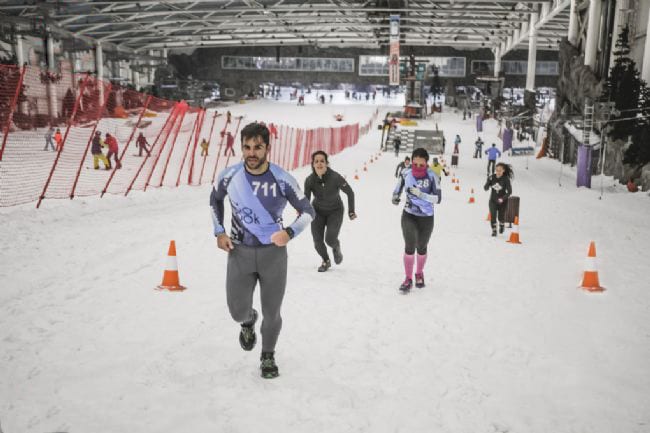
[623, 87]
[638, 153]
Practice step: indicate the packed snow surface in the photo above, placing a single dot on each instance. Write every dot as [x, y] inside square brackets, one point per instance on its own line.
[501, 339]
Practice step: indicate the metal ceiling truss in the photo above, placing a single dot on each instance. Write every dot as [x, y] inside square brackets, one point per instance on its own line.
[139, 26]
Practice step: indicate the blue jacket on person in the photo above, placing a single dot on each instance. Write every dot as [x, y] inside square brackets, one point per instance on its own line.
[493, 153]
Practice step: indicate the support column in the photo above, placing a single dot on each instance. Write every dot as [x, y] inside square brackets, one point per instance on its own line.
[51, 67]
[593, 30]
[546, 7]
[150, 74]
[645, 70]
[135, 75]
[497, 61]
[99, 66]
[572, 34]
[20, 54]
[532, 53]
[20, 59]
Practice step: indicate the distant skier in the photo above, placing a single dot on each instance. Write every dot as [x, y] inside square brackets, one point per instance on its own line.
[397, 142]
[438, 169]
[204, 147]
[96, 150]
[141, 142]
[493, 153]
[230, 144]
[500, 189]
[325, 184]
[49, 136]
[422, 191]
[402, 165]
[456, 144]
[478, 148]
[111, 142]
[58, 138]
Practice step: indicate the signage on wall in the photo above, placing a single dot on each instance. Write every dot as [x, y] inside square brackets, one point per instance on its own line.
[393, 58]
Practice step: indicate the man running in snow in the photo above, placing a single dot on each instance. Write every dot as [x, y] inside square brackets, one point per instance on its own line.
[422, 191]
[258, 193]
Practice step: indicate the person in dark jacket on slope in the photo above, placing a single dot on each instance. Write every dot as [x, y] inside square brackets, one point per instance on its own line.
[325, 184]
[402, 165]
[500, 189]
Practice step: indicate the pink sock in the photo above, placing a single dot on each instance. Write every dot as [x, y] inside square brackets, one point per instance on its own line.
[408, 264]
[420, 263]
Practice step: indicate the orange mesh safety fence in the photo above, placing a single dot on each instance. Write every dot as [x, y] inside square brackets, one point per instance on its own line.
[66, 135]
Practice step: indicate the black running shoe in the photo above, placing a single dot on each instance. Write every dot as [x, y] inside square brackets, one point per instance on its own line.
[268, 368]
[419, 280]
[338, 257]
[247, 337]
[325, 266]
[501, 227]
[406, 286]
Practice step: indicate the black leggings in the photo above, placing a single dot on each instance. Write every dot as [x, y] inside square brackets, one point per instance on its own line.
[500, 209]
[492, 164]
[417, 232]
[332, 221]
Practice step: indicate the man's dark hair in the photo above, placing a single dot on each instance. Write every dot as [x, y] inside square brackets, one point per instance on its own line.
[253, 130]
[420, 153]
[407, 159]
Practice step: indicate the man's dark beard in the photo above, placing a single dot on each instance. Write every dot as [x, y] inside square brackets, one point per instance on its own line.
[260, 162]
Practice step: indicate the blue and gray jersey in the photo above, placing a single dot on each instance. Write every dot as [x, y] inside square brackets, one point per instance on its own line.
[257, 203]
[420, 204]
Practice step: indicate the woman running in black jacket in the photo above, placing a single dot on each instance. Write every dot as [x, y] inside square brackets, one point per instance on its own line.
[501, 189]
[325, 184]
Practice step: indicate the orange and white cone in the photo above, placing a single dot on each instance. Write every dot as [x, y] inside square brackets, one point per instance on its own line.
[171, 281]
[471, 197]
[457, 187]
[590, 277]
[364, 167]
[356, 174]
[489, 217]
[514, 234]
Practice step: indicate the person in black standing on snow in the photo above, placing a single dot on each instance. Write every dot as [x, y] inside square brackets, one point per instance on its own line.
[325, 184]
[501, 189]
[397, 142]
[402, 165]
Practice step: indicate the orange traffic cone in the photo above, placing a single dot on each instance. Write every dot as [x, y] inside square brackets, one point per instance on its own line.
[514, 234]
[356, 175]
[471, 197]
[371, 160]
[590, 277]
[170, 277]
[364, 167]
[457, 187]
[489, 217]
